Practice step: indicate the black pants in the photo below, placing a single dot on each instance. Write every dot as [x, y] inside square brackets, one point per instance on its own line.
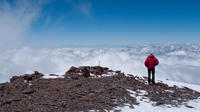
[151, 71]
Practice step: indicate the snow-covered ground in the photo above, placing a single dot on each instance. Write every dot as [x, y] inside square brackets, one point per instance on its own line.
[147, 106]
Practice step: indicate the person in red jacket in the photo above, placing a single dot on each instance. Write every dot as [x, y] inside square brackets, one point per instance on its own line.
[150, 63]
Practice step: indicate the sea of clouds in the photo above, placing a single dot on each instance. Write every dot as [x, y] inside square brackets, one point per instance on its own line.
[178, 62]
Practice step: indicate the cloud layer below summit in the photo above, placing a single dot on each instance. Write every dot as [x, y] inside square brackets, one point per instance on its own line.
[177, 62]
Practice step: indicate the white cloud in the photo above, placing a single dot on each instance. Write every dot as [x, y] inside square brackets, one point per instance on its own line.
[16, 18]
[83, 6]
[182, 68]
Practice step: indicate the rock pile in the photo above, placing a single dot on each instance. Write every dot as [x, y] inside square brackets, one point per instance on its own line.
[88, 71]
[27, 77]
[79, 91]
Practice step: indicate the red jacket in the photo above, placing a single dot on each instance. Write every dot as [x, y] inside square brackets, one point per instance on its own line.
[151, 62]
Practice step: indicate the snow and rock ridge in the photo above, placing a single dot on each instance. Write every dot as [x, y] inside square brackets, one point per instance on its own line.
[93, 88]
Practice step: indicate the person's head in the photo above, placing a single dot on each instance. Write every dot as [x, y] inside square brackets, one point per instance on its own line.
[151, 55]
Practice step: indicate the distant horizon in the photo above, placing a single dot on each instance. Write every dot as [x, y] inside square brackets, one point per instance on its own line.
[99, 46]
[111, 45]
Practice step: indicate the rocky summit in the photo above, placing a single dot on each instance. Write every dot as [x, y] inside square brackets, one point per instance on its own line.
[87, 88]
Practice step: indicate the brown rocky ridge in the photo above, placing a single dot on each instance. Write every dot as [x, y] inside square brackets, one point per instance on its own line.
[86, 88]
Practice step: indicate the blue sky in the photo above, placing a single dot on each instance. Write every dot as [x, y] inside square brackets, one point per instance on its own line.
[104, 23]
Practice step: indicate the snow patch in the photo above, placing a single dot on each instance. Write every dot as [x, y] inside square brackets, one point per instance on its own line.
[48, 76]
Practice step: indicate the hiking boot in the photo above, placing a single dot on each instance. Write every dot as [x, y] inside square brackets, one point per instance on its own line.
[149, 82]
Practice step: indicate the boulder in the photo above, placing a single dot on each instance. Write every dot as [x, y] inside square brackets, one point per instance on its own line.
[72, 70]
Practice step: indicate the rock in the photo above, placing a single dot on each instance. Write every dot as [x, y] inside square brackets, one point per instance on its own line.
[28, 91]
[74, 76]
[37, 75]
[14, 78]
[8, 101]
[188, 106]
[85, 71]
[53, 75]
[117, 110]
[28, 77]
[1, 87]
[118, 72]
[72, 70]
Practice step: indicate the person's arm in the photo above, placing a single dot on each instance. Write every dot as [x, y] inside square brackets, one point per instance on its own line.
[156, 60]
[146, 62]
